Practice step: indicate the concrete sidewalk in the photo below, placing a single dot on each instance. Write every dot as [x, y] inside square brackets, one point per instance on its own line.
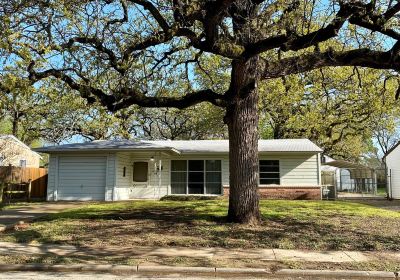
[7, 248]
[28, 212]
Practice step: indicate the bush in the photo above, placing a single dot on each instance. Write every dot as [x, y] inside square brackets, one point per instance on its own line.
[189, 197]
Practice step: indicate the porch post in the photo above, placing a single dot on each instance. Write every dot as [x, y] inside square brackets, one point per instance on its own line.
[159, 175]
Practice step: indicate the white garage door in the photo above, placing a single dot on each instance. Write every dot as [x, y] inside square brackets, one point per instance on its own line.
[81, 178]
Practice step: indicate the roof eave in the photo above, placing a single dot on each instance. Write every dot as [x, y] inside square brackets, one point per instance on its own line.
[53, 151]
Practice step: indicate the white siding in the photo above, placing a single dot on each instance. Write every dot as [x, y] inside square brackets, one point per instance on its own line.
[110, 180]
[393, 169]
[127, 189]
[296, 169]
[51, 179]
[300, 170]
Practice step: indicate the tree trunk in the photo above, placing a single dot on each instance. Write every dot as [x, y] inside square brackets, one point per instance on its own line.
[15, 124]
[242, 121]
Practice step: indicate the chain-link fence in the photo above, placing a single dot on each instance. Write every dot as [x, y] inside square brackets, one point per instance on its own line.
[365, 181]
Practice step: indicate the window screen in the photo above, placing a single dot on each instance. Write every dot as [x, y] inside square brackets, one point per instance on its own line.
[269, 172]
[140, 171]
[213, 177]
[178, 176]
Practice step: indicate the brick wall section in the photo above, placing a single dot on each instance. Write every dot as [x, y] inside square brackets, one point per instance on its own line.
[287, 192]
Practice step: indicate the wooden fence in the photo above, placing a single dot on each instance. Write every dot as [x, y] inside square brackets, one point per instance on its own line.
[22, 175]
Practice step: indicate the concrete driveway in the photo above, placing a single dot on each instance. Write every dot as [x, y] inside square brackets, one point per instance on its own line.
[28, 212]
[393, 205]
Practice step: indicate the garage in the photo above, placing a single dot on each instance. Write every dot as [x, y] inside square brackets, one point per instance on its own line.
[81, 178]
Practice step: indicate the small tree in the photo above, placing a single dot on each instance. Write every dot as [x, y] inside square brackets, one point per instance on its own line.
[129, 52]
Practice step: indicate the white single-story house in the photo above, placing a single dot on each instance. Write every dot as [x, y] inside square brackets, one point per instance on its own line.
[392, 161]
[121, 170]
[16, 153]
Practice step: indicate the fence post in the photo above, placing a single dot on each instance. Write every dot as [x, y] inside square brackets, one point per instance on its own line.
[29, 189]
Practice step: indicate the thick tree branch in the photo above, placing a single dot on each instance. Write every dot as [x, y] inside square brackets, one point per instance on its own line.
[154, 12]
[308, 62]
[126, 97]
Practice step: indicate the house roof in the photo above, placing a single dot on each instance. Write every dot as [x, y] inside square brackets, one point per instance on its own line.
[391, 150]
[19, 142]
[184, 146]
[105, 145]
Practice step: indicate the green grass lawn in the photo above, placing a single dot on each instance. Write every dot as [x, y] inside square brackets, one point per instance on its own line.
[315, 225]
[381, 191]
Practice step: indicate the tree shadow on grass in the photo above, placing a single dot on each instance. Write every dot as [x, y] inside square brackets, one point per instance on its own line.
[189, 226]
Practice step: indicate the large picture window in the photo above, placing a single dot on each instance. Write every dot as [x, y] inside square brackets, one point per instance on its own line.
[269, 172]
[196, 177]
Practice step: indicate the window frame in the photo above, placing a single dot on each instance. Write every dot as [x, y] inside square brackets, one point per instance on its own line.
[23, 163]
[269, 172]
[204, 171]
[133, 172]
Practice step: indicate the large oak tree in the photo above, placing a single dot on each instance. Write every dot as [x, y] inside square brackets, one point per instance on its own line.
[125, 52]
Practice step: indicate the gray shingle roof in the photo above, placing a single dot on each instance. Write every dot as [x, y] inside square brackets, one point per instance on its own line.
[185, 146]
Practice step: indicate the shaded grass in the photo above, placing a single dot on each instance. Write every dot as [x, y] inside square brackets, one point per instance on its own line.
[315, 225]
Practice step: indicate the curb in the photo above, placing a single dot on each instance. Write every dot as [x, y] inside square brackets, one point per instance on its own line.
[126, 269]
[338, 273]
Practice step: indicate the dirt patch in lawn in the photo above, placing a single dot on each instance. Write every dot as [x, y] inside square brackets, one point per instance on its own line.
[286, 225]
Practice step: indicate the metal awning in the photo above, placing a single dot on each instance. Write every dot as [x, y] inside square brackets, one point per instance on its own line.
[346, 164]
[357, 171]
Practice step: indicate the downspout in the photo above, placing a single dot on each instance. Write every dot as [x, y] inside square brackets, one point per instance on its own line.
[319, 174]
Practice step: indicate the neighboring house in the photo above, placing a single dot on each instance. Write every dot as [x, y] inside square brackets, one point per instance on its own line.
[15, 153]
[392, 161]
[120, 170]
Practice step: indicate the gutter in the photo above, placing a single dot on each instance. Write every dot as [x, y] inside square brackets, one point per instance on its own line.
[52, 151]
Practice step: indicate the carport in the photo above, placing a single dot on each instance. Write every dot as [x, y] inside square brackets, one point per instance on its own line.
[353, 177]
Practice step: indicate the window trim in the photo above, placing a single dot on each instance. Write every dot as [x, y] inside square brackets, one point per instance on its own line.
[187, 175]
[259, 172]
[133, 172]
[23, 161]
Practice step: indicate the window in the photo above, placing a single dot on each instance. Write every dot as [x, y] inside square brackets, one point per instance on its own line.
[2, 158]
[213, 177]
[22, 163]
[140, 169]
[196, 177]
[269, 172]
[124, 172]
[178, 176]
